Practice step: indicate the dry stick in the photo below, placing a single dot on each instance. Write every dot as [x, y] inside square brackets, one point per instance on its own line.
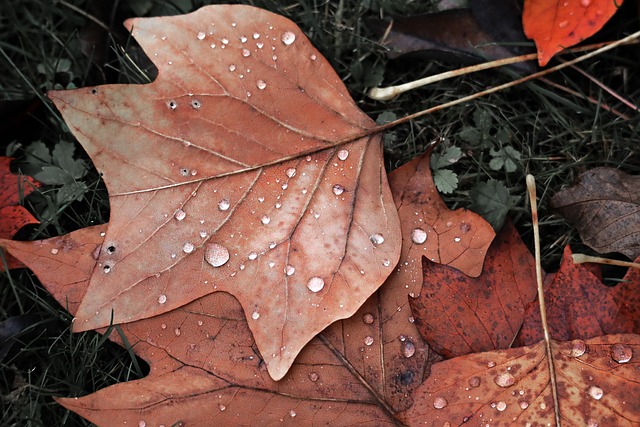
[390, 92]
[531, 187]
[582, 258]
[507, 85]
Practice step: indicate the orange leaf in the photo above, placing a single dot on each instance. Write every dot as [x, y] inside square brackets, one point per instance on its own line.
[555, 25]
[13, 216]
[228, 173]
[597, 385]
[458, 314]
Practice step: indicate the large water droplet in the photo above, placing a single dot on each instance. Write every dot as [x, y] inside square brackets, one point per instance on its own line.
[261, 84]
[501, 406]
[368, 340]
[289, 270]
[505, 380]
[224, 204]
[621, 353]
[368, 318]
[595, 392]
[255, 315]
[252, 256]
[343, 154]
[201, 35]
[162, 299]
[216, 255]
[474, 382]
[464, 227]
[408, 349]
[188, 248]
[291, 172]
[418, 236]
[440, 402]
[524, 405]
[376, 239]
[578, 349]
[180, 215]
[315, 284]
[313, 376]
[265, 219]
[246, 53]
[288, 37]
[338, 189]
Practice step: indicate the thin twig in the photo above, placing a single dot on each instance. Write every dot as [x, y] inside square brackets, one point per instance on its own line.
[582, 258]
[531, 187]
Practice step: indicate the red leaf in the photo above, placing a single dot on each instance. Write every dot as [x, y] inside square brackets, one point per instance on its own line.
[555, 25]
[13, 216]
[458, 314]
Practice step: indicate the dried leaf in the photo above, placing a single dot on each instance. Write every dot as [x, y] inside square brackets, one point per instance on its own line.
[227, 174]
[458, 314]
[604, 206]
[597, 385]
[558, 24]
[580, 306]
[457, 238]
[13, 216]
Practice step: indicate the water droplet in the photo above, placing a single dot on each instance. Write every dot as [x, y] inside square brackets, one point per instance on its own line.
[313, 57]
[272, 245]
[491, 364]
[255, 315]
[578, 349]
[203, 234]
[216, 255]
[256, 36]
[418, 236]
[259, 45]
[265, 219]
[180, 215]
[343, 154]
[595, 392]
[246, 53]
[172, 105]
[291, 172]
[501, 406]
[201, 35]
[386, 262]
[456, 239]
[261, 84]
[213, 45]
[563, 24]
[289, 270]
[271, 264]
[225, 41]
[288, 37]
[464, 227]
[163, 326]
[162, 299]
[315, 284]
[592, 422]
[474, 381]
[376, 239]
[411, 319]
[338, 189]
[243, 39]
[505, 380]
[232, 67]
[313, 376]
[106, 268]
[292, 413]
[188, 248]
[224, 204]
[368, 340]
[440, 402]
[142, 424]
[524, 405]
[54, 251]
[621, 353]
[177, 332]
[252, 256]
[585, 3]
[221, 407]
[368, 318]
[408, 349]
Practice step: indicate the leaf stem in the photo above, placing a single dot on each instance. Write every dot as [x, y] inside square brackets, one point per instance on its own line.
[582, 258]
[531, 187]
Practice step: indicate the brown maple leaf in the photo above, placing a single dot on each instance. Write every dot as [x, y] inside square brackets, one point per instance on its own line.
[233, 171]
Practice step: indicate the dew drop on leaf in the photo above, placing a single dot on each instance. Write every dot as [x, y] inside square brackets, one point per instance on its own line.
[252, 256]
[291, 172]
[368, 340]
[524, 405]
[221, 407]
[246, 53]
[367, 318]
[261, 84]
[224, 204]
[162, 299]
[288, 37]
[376, 239]
[142, 424]
[265, 219]
[201, 35]
[289, 270]
[464, 227]
[338, 189]
[440, 402]
[505, 380]
[177, 332]
[621, 353]
[255, 315]
[578, 349]
[315, 284]
[585, 3]
[474, 382]
[188, 248]
[408, 349]
[232, 67]
[343, 154]
[501, 406]
[456, 239]
[292, 413]
[313, 376]
[595, 392]
[216, 254]
[418, 236]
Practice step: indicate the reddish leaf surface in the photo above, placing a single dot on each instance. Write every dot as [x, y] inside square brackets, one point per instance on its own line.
[458, 314]
[579, 306]
[457, 238]
[233, 153]
[555, 25]
[597, 385]
[604, 206]
[206, 368]
[13, 216]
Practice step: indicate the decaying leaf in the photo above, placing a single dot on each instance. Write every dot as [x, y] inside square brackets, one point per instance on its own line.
[580, 306]
[604, 206]
[13, 216]
[558, 24]
[227, 173]
[458, 314]
[598, 384]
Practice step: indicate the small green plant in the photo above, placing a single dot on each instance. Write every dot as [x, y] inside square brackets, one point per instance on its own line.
[445, 179]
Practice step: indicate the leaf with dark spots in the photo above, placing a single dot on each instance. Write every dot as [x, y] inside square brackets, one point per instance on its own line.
[580, 306]
[604, 206]
[598, 382]
[458, 314]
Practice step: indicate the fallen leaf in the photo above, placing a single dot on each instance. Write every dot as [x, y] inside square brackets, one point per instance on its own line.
[555, 25]
[597, 382]
[13, 216]
[457, 314]
[457, 238]
[604, 206]
[580, 306]
[233, 171]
